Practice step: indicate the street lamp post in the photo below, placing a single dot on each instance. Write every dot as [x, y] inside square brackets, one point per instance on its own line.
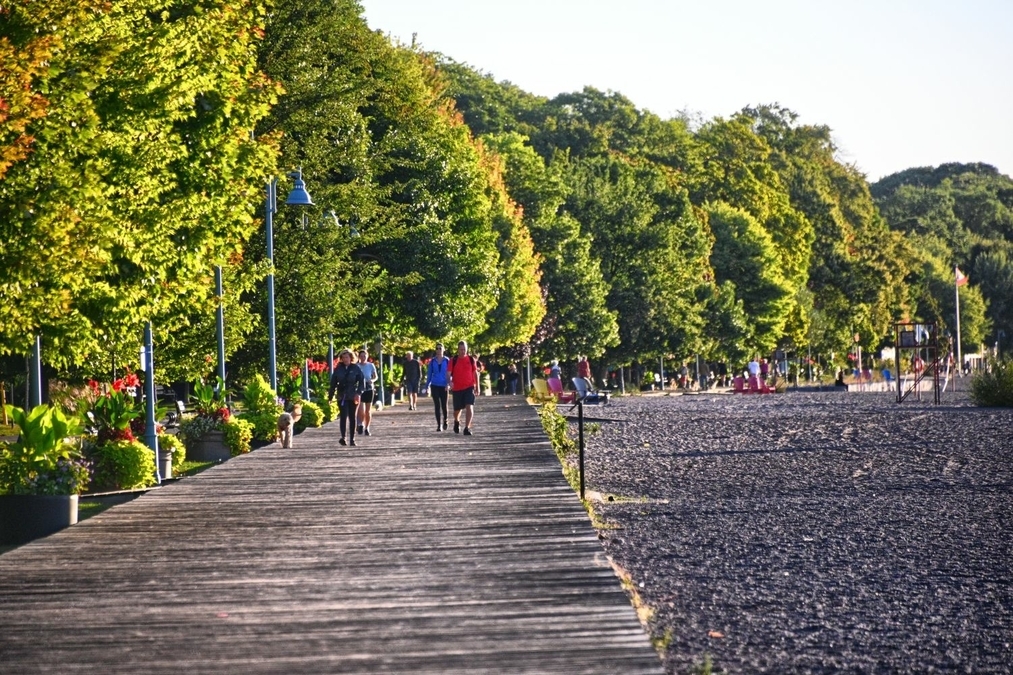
[150, 429]
[298, 197]
[220, 323]
[35, 374]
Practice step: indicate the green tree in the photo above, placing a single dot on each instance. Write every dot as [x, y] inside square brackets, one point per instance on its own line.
[745, 260]
[140, 173]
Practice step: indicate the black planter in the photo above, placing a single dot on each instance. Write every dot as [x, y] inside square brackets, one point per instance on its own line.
[27, 517]
[209, 448]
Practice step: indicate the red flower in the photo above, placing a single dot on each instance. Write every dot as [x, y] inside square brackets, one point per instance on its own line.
[118, 385]
[224, 414]
[132, 380]
[294, 372]
[94, 386]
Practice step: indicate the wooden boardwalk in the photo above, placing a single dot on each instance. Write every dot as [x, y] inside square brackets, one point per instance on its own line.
[414, 552]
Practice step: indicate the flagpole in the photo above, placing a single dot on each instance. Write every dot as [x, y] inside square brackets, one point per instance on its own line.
[956, 294]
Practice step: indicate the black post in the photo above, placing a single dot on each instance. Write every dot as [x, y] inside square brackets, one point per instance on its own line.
[580, 434]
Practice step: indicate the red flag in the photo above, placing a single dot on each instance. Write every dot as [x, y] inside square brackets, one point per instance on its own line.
[961, 279]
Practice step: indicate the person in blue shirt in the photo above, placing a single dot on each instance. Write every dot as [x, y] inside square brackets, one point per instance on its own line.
[436, 383]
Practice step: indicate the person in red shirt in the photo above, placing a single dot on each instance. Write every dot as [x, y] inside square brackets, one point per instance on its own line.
[464, 386]
[584, 368]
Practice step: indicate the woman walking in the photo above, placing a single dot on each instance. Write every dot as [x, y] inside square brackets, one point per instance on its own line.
[436, 382]
[347, 382]
[365, 414]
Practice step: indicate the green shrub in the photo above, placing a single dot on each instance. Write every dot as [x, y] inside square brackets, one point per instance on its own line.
[170, 442]
[329, 410]
[993, 388]
[265, 425]
[259, 398]
[123, 465]
[238, 435]
[312, 416]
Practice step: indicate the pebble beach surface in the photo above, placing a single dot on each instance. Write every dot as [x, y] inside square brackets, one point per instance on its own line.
[811, 532]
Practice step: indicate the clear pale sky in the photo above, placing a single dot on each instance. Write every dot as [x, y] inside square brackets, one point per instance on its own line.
[901, 83]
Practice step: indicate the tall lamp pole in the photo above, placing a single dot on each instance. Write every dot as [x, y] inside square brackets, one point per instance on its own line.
[35, 373]
[220, 322]
[150, 431]
[298, 197]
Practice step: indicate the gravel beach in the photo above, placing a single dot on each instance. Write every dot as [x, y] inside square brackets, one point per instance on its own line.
[812, 532]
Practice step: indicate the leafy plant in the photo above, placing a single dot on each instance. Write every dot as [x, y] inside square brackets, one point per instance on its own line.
[209, 401]
[993, 387]
[238, 434]
[312, 416]
[171, 442]
[123, 465]
[41, 461]
[112, 414]
[329, 410]
[265, 425]
[259, 398]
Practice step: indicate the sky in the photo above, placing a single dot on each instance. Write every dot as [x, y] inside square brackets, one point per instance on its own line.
[901, 83]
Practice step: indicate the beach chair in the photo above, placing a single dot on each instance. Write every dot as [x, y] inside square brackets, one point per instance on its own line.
[556, 389]
[587, 393]
[541, 392]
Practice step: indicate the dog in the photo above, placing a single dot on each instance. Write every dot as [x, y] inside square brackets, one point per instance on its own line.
[286, 425]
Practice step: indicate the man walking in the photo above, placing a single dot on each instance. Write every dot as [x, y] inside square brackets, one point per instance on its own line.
[464, 386]
[412, 376]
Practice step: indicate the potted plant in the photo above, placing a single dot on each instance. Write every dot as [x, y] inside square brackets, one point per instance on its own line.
[203, 434]
[261, 409]
[41, 475]
[120, 461]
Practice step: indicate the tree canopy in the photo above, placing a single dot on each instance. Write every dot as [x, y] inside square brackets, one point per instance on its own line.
[137, 138]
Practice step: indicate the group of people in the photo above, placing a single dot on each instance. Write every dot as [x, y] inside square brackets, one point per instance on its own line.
[447, 378]
[354, 384]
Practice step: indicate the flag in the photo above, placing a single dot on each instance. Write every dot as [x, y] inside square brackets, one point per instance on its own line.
[961, 279]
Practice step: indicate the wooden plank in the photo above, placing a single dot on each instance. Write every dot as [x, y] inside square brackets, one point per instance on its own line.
[415, 551]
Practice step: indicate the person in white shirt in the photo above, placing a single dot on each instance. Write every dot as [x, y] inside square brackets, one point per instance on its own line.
[365, 414]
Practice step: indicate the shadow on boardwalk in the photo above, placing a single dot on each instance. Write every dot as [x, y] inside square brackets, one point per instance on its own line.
[414, 552]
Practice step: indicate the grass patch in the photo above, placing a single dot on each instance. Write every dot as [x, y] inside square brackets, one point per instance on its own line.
[189, 468]
[88, 508]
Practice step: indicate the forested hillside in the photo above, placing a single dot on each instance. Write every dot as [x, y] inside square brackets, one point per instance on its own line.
[744, 233]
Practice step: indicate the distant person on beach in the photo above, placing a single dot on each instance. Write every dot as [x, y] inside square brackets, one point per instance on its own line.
[888, 377]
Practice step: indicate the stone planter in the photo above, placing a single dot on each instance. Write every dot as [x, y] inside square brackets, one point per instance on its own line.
[209, 448]
[27, 517]
[165, 463]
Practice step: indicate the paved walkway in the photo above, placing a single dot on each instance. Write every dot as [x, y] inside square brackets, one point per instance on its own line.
[414, 552]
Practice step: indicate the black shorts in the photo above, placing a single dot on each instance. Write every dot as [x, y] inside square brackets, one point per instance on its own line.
[367, 396]
[412, 386]
[463, 398]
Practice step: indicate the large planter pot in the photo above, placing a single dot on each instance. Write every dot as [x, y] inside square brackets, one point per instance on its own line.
[209, 448]
[27, 517]
[165, 463]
